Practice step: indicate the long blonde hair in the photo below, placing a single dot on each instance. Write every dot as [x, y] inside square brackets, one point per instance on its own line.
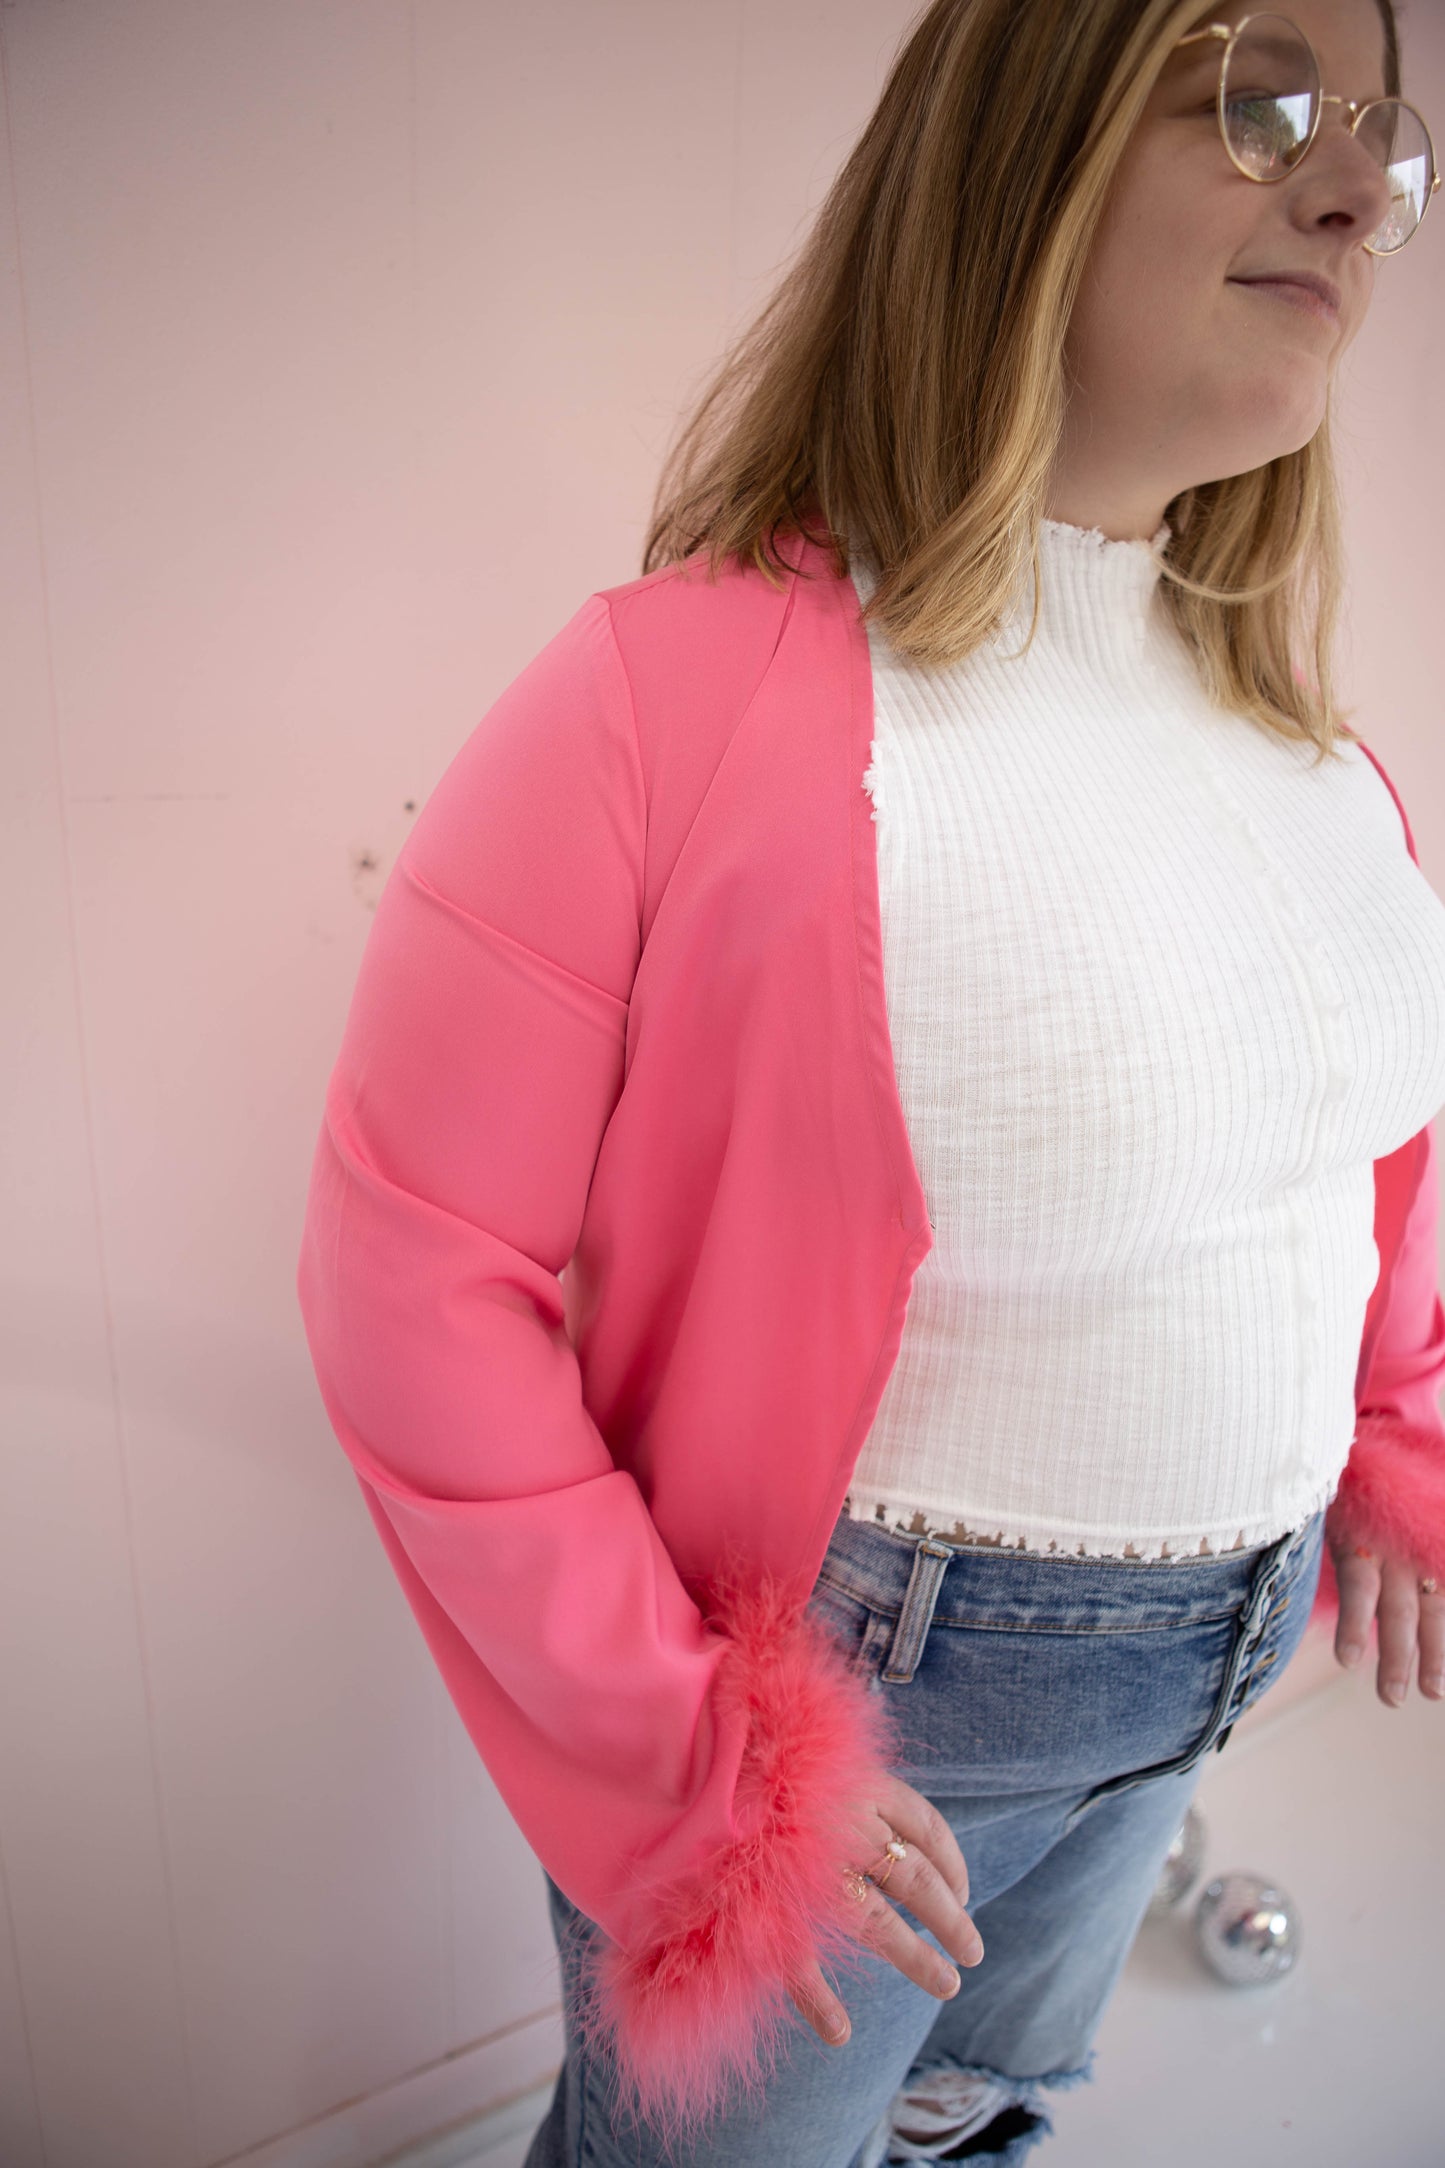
[905, 386]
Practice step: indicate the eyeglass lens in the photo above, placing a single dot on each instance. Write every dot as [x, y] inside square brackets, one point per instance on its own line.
[1271, 98]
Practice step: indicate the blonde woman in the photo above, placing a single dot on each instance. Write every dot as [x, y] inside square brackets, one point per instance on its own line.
[931, 965]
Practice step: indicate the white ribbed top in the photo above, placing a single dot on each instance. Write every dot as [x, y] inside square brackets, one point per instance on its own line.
[1159, 994]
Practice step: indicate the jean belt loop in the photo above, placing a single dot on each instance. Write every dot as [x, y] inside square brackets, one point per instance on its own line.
[930, 1562]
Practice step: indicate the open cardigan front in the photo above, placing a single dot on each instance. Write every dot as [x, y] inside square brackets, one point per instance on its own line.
[612, 1222]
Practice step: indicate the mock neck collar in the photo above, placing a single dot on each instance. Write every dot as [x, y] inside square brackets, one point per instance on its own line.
[1098, 594]
[1096, 605]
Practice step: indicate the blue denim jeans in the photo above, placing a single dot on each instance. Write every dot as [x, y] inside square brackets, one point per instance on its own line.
[1056, 1710]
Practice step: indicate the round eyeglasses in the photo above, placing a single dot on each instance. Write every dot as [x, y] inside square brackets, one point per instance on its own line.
[1269, 107]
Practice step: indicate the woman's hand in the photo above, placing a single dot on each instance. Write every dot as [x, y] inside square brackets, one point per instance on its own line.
[932, 1881]
[1372, 1585]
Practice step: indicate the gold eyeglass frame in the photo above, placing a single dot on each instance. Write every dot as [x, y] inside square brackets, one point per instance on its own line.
[1229, 32]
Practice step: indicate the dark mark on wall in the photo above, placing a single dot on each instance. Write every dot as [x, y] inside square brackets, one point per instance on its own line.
[365, 867]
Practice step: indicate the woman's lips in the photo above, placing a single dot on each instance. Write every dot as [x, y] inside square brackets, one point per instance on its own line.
[1298, 297]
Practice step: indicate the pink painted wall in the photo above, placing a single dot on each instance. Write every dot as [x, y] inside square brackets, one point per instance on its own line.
[339, 344]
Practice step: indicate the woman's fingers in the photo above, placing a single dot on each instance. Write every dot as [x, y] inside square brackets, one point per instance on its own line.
[885, 1931]
[930, 1877]
[1388, 1591]
[900, 1804]
[1399, 1617]
[1432, 1644]
[931, 1880]
[1358, 1577]
[813, 1999]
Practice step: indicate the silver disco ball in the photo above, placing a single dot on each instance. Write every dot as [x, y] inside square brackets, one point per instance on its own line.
[1247, 1929]
[1182, 1863]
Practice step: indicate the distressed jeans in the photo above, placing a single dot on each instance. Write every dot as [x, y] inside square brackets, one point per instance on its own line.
[1056, 1710]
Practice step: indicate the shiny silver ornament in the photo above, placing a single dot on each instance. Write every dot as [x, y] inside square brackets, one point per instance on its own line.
[1182, 1863]
[1247, 1929]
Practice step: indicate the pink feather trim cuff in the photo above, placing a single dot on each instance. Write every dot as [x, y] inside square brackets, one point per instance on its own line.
[703, 2007]
[1391, 1498]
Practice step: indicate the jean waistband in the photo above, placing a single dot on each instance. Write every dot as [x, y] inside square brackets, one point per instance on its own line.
[971, 1585]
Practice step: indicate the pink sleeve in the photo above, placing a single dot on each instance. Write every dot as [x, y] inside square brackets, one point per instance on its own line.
[680, 1778]
[1391, 1497]
[1407, 1364]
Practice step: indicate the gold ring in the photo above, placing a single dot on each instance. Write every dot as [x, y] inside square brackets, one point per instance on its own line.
[894, 1850]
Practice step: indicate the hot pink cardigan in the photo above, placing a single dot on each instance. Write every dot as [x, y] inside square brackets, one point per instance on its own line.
[621, 1011]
